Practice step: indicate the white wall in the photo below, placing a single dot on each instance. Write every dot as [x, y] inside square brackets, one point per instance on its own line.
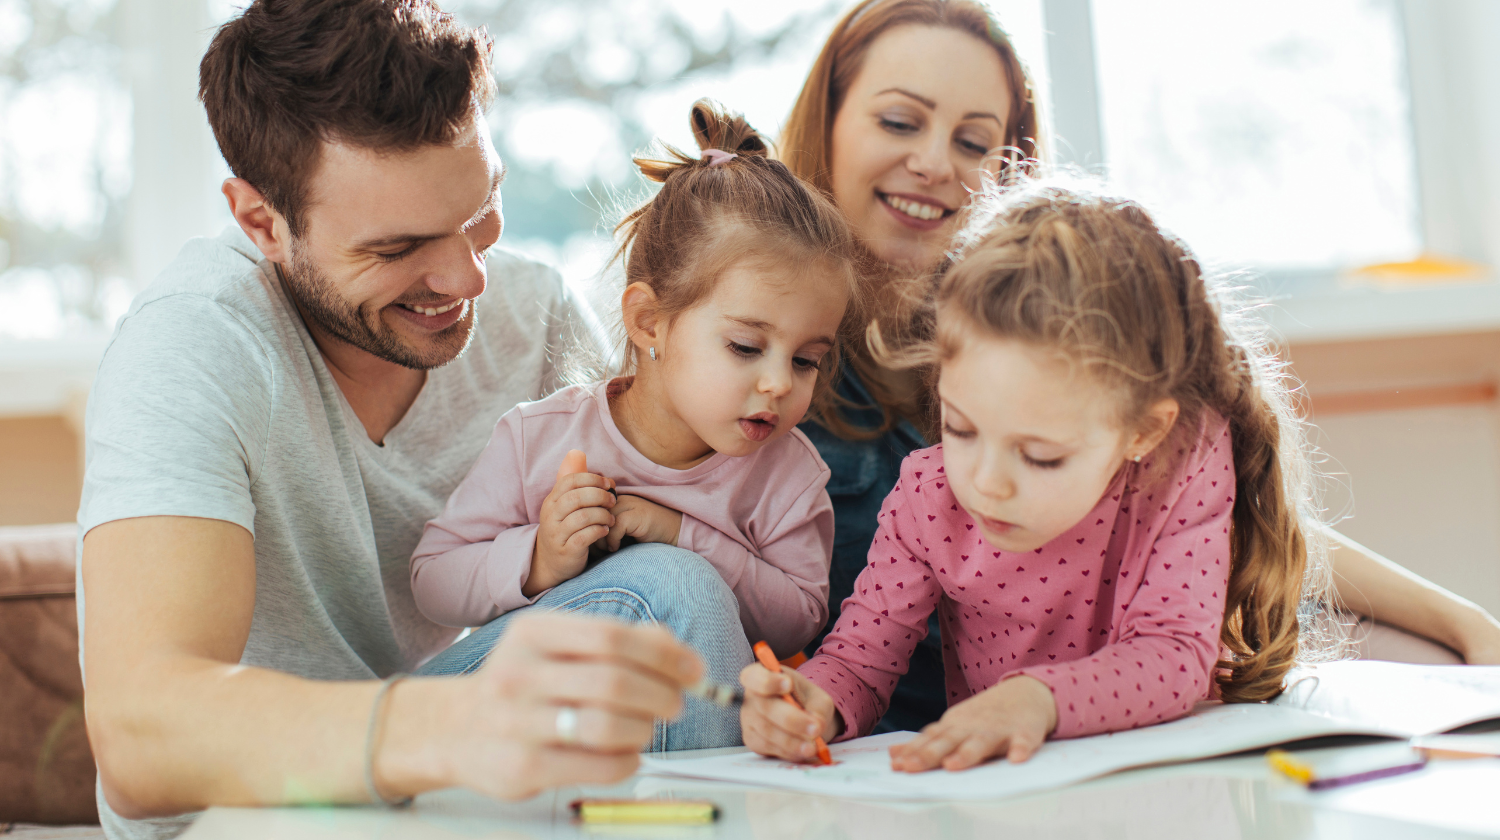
[1423, 488]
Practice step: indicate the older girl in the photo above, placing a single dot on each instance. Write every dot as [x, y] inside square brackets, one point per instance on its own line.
[1112, 528]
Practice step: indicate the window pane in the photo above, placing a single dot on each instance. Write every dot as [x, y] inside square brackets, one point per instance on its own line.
[1275, 134]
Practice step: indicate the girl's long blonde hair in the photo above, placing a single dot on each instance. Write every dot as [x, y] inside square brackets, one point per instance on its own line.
[1128, 305]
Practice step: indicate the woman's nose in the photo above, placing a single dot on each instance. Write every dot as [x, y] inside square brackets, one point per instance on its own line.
[930, 161]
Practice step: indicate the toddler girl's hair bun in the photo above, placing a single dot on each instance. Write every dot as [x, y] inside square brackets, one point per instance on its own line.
[717, 127]
[723, 137]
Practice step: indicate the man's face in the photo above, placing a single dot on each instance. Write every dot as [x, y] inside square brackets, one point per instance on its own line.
[392, 256]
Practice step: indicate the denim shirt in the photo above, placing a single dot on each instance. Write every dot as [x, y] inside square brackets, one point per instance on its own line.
[863, 473]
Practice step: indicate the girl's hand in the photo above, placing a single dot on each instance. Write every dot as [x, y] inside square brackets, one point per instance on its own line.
[574, 515]
[775, 727]
[644, 520]
[1011, 718]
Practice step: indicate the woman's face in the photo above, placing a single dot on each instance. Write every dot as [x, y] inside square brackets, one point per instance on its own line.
[910, 139]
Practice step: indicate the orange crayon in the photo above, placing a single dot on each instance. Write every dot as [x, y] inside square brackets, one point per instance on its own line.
[768, 659]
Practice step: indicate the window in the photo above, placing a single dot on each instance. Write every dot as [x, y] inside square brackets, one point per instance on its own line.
[1278, 136]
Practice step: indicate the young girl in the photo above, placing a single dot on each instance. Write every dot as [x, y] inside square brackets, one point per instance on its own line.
[1109, 531]
[738, 279]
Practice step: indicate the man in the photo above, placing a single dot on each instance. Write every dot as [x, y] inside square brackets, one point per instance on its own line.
[282, 410]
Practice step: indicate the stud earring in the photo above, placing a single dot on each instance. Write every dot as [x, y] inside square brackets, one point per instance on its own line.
[653, 358]
[1136, 459]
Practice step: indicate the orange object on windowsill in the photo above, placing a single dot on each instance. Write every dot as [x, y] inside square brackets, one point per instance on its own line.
[1424, 270]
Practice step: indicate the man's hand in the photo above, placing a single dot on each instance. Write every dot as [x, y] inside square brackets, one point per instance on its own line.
[774, 727]
[498, 735]
[644, 520]
[1011, 718]
[574, 515]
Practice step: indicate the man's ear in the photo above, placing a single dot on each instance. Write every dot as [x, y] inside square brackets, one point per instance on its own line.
[638, 306]
[1153, 428]
[265, 227]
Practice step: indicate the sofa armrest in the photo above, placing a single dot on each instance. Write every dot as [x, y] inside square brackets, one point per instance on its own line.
[46, 768]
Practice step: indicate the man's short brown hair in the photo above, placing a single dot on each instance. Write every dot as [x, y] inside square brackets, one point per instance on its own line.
[288, 75]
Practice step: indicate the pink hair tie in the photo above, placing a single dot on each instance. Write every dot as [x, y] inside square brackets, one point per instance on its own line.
[717, 156]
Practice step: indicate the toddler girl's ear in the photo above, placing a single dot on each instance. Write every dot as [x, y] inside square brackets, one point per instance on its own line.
[1153, 427]
[638, 308]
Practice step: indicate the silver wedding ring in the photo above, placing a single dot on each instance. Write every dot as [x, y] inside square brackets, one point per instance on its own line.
[567, 725]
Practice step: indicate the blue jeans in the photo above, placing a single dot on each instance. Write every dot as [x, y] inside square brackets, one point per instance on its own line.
[647, 582]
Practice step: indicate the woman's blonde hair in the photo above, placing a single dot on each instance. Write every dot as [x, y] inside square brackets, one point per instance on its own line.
[807, 149]
[1128, 306]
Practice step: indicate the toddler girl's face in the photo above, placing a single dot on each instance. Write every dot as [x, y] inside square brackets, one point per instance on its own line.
[1029, 445]
[740, 367]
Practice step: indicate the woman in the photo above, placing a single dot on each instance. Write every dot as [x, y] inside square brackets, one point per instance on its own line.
[907, 103]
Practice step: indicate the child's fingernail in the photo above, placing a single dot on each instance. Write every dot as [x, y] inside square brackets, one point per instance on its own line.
[784, 686]
[806, 748]
[812, 728]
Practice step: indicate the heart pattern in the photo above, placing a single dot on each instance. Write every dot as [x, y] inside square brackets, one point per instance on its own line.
[1114, 656]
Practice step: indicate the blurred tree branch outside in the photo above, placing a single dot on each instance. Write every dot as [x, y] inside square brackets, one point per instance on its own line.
[65, 130]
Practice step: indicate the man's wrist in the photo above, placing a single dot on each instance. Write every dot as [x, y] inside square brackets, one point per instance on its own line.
[411, 757]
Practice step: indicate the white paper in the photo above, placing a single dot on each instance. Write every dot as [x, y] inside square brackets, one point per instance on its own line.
[1371, 698]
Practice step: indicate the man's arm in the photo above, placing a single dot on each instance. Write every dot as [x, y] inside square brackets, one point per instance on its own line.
[177, 724]
[1377, 588]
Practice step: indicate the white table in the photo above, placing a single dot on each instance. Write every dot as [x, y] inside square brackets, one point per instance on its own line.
[1225, 799]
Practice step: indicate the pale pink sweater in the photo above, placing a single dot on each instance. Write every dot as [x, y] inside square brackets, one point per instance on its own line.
[763, 520]
[1119, 616]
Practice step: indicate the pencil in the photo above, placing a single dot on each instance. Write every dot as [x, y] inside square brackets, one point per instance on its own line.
[768, 659]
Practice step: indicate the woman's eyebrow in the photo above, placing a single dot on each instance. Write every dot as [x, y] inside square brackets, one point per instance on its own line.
[930, 103]
[917, 96]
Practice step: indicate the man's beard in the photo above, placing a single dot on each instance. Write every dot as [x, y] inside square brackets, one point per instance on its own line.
[321, 305]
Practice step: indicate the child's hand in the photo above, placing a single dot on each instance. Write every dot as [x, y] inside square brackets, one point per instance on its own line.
[644, 520]
[1011, 718]
[774, 727]
[574, 515]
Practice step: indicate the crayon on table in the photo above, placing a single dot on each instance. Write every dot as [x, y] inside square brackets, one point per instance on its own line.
[1292, 768]
[645, 811]
[768, 659]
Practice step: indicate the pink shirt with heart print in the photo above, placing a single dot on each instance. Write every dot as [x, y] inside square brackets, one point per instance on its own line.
[1119, 616]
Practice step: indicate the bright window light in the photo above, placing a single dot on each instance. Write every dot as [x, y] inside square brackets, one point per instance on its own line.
[1273, 135]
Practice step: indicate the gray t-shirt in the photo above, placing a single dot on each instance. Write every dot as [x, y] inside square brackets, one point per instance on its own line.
[213, 401]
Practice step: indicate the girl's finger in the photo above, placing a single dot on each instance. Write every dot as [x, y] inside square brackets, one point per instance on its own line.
[1023, 745]
[581, 540]
[584, 517]
[582, 497]
[790, 719]
[577, 480]
[978, 748]
[928, 750]
[778, 741]
[756, 678]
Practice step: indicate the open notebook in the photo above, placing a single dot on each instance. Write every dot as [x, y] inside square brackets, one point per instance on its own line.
[1338, 698]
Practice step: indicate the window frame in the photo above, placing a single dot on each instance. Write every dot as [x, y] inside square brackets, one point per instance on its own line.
[1458, 213]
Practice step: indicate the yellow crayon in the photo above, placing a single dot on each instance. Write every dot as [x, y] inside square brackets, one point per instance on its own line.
[638, 811]
[1288, 766]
